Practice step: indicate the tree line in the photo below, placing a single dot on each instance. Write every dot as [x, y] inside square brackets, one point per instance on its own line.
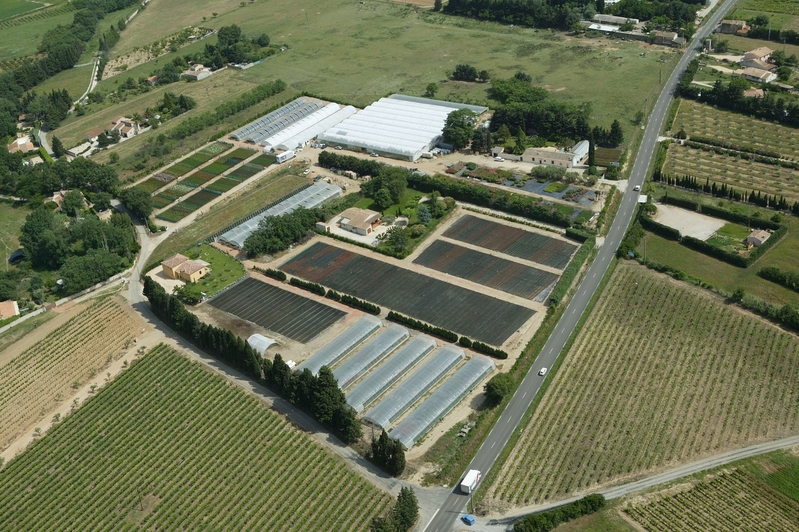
[550, 519]
[37, 182]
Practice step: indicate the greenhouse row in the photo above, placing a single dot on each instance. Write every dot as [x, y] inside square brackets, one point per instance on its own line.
[268, 125]
[307, 128]
[414, 387]
[342, 344]
[392, 370]
[434, 408]
[309, 198]
[370, 355]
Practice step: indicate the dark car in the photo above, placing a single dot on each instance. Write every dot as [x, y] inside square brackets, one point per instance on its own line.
[16, 257]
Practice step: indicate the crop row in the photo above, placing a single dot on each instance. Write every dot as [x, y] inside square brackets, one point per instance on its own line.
[73, 352]
[41, 14]
[731, 501]
[659, 375]
[171, 433]
[201, 157]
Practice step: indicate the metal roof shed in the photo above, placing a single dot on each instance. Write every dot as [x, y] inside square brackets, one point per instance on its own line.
[342, 344]
[416, 385]
[438, 405]
[389, 372]
[370, 355]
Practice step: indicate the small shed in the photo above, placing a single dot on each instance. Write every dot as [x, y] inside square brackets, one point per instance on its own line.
[260, 343]
[757, 238]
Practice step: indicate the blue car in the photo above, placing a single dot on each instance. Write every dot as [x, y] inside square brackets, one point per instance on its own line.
[468, 519]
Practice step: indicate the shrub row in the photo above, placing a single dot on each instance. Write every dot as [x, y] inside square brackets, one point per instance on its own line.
[736, 147]
[570, 272]
[576, 234]
[269, 272]
[788, 279]
[444, 334]
[480, 347]
[680, 202]
[305, 285]
[724, 214]
[354, 302]
[659, 229]
[732, 258]
[546, 521]
[743, 155]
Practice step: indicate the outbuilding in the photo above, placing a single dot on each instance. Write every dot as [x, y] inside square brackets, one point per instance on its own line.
[757, 238]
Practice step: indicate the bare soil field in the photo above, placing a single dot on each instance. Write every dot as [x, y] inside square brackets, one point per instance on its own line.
[50, 363]
[662, 373]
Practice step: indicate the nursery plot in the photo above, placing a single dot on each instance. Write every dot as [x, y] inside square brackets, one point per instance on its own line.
[730, 501]
[223, 184]
[662, 373]
[247, 170]
[741, 174]
[278, 310]
[176, 191]
[265, 159]
[485, 269]
[511, 240]
[152, 184]
[706, 121]
[198, 199]
[452, 307]
[170, 446]
[159, 202]
[240, 154]
[74, 352]
[216, 168]
[198, 178]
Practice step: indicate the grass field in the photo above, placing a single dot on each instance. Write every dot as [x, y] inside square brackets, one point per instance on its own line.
[229, 211]
[209, 93]
[32, 382]
[75, 80]
[12, 8]
[21, 36]
[720, 274]
[729, 500]
[13, 216]
[169, 446]
[662, 373]
[391, 41]
[744, 44]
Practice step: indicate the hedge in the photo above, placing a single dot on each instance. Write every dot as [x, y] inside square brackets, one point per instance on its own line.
[353, 302]
[658, 228]
[724, 214]
[548, 520]
[680, 202]
[269, 272]
[480, 347]
[305, 285]
[570, 272]
[444, 334]
[715, 252]
[788, 279]
[576, 234]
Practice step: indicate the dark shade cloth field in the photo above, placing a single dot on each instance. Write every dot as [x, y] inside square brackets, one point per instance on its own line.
[445, 305]
[511, 240]
[485, 269]
[278, 310]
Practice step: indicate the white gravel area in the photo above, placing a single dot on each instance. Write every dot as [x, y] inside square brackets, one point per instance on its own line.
[687, 222]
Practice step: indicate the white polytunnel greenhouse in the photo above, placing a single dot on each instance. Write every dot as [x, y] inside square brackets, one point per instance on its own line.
[434, 408]
[308, 124]
[273, 122]
[392, 370]
[303, 137]
[310, 197]
[342, 344]
[370, 355]
[415, 386]
[260, 343]
[398, 126]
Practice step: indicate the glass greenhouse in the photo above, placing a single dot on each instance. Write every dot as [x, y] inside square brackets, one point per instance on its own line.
[342, 344]
[415, 386]
[392, 370]
[286, 115]
[309, 198]
[438, 405]
[370, 355]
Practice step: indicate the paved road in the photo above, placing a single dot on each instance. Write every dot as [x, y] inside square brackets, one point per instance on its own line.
[456, 502]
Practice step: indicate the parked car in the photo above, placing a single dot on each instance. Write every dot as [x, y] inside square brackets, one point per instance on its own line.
[468, 519]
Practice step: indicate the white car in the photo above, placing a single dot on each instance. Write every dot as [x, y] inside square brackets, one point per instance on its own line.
[306, 172]
[543, 372]
[637, 188]
[499, 159]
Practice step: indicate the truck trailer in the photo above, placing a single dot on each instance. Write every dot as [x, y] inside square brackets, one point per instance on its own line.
[470, 481]
[285, 156]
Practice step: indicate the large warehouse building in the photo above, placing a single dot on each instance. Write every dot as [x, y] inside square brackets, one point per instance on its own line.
[401, 127]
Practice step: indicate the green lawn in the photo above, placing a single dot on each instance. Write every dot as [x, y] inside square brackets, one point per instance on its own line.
[23, 39]
[11, 8]
[607, 520]
[75, 80]
[723, 275]
[13, 216]
[744, 44]
[407, 206]
[224, 270]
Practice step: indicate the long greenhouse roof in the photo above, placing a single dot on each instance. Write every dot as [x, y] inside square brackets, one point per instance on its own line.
[435, 407]
[300, 125]
[370, 355]
[309, 198]
[323, 125]
[415, 386]
[342, 344]
[389, 372]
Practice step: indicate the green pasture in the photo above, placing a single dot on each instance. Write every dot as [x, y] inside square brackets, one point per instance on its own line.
[75, 80]
[13, 216]
[778, 20]
[12, 8]
[721, 274]
[771, 6]
[23, 39]
[744, 44]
